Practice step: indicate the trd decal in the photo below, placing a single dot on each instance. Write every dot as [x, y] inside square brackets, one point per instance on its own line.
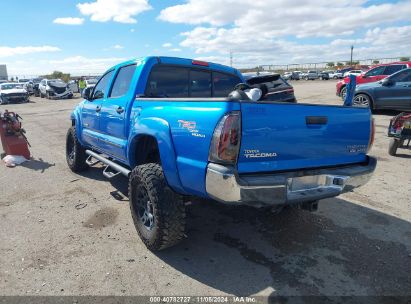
[190, 126]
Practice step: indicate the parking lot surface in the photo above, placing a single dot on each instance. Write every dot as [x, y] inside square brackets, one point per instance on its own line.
[67, 234]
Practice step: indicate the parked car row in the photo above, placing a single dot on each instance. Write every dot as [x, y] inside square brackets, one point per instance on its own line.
[49, 88]
[312, 75]
[376, 73]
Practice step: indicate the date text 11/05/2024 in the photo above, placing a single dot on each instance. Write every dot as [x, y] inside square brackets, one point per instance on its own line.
[202, 299]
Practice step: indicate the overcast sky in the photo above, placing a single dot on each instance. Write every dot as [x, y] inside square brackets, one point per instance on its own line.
[87, 37]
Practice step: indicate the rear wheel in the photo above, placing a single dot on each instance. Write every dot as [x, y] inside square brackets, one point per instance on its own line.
[393, 146]
[343, 92]
[158, 212]
[361, 100]
[75, 153]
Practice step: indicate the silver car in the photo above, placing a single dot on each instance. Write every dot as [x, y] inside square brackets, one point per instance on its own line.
[311, 75]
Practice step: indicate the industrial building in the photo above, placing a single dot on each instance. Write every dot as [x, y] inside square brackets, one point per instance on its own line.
[3, 72]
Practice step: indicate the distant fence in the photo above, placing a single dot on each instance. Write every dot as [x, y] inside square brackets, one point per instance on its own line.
[323, 65]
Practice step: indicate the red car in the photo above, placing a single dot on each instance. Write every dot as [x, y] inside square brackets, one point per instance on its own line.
[376, 73]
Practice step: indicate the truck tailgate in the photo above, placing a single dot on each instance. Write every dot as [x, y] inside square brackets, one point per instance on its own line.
[278, 137]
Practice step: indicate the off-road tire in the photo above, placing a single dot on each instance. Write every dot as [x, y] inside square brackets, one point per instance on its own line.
[168, 208]
[76, 162]
[393, 146]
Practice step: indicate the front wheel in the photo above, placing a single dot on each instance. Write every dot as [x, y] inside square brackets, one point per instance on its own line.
[75, 153]
[158, 212]
[393, 146]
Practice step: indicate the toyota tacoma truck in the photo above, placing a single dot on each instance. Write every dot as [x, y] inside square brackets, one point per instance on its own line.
[181, 128]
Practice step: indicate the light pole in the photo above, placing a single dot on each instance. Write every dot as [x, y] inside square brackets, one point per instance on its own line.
[352, 48]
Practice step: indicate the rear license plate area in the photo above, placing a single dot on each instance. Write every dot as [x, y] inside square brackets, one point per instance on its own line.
[305, 182]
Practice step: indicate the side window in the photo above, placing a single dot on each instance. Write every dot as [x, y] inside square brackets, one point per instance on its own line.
[376, 71]
[43, 82]
[122, 81]
[224, 84]
[391, 69]
[403, 76]
[101, 87]
[200, 83]
[168, 81]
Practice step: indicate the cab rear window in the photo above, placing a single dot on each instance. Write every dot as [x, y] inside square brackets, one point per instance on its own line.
[183, 82]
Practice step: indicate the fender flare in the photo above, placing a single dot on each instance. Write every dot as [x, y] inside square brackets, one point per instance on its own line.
[75, 117]
[160, 130]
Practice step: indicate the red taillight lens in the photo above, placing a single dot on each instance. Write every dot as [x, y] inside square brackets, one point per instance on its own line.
[199, 62]
[372, 135]
[226, 139]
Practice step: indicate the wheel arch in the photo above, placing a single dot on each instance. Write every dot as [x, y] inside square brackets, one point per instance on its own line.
[154, 133]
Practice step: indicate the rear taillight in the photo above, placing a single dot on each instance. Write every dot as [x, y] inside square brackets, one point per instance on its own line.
[372, 135]
[225, 143]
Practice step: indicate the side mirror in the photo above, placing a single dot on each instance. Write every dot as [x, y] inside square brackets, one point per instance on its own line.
[87, 93]
[387, 82]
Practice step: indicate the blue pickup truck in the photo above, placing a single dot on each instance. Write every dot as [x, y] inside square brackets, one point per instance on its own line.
[181, 128]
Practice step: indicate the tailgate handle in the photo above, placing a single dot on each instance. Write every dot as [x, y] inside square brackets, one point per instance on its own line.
[316, 120]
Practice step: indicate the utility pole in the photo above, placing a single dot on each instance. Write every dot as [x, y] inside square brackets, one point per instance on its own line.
[231, 58]
[352, 48]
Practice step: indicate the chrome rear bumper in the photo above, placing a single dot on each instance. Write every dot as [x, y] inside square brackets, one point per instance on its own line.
[225, 185]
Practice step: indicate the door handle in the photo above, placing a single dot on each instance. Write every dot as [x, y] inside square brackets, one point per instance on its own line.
[120, 110]
[316, 120]
[98, 109]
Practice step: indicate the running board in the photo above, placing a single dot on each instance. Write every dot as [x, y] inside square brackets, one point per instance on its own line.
[116, 167]
[91, 162]
[109, 174]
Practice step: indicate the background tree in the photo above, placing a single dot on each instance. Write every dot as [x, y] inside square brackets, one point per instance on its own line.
[330, 64]
[376, 62]
[58, 75]
[340, 64]
[405, 59]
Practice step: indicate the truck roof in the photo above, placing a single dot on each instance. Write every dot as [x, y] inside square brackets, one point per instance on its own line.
[183, 62]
